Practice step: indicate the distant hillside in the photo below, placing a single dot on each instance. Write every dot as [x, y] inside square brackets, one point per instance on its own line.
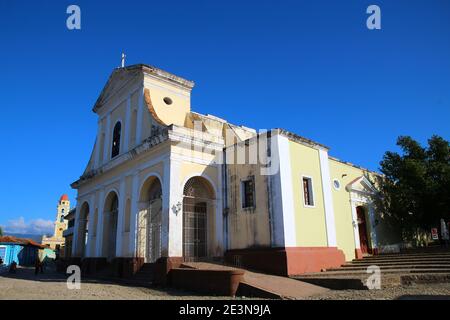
[34, 237]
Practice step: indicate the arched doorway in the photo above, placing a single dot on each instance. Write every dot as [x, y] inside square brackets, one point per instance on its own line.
[84, 232]
[149, 222]
[110, 225]
[362, 229]
[198, 201]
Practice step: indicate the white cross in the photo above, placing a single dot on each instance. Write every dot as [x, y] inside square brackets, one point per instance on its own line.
[123, 60]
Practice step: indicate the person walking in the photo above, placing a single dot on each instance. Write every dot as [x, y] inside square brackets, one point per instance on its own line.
[37, 266]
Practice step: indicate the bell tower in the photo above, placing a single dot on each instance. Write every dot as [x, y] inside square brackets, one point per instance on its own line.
[62, 209]
[56, 241]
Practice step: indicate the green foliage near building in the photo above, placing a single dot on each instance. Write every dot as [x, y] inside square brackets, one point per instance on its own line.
[415, 189]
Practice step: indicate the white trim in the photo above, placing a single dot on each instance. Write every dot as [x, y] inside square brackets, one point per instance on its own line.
[89, 244]
[134, 213]
[355, 226]
[372, 226]
[120, 217]
[97, 145]
[328, 199]
[287, 198]
[147, 164]
[127, 128]
[99, 234]
[311, 192]
[202, 175]
[146, 177]
[139, 120]
[107, 139]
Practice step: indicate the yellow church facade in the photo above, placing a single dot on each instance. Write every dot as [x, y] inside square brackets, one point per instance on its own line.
[165, 184]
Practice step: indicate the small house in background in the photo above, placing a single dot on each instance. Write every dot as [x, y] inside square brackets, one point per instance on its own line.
[22, 251]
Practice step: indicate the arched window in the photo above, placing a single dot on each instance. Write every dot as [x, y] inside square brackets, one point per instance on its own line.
[116, 140]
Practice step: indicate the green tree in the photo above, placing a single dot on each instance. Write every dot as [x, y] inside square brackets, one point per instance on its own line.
[1, 231]
[415, 188]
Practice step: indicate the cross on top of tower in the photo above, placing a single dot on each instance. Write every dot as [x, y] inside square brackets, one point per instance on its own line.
[123, 60]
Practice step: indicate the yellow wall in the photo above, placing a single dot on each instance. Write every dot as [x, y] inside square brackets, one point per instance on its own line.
[309, 221]
[342, 206]
[180, 107]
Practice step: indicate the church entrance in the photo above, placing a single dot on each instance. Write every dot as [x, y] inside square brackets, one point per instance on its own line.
[149, 235]
[362, 228]
[197, 201]
[154, 231]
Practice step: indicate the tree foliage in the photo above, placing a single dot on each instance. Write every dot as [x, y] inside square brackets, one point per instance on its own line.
[415, 189]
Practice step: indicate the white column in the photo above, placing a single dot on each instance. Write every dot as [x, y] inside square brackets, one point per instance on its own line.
[89, 244]
[355, 225]
[127, 129]
[219, 213]
[373, 232]
[139, 117]
[134, 213]
[98, 147]
[327, 198]
[283, 206]
[173, 196]
[120, 218]
[99, 244]
[106, 148]
[76, 231]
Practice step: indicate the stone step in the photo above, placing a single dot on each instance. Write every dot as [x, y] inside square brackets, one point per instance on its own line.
[355, 282]
[403, 256]
[371, 261]
[396, 263]
[392, 267]
[385, 271]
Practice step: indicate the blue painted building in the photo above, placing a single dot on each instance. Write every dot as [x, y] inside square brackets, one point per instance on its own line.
[22, 251]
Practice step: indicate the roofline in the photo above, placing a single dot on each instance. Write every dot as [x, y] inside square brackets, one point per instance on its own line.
[295, 137]
[147, 69]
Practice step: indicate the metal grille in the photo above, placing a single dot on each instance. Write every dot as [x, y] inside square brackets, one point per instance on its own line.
[154, 231]
[195, 230]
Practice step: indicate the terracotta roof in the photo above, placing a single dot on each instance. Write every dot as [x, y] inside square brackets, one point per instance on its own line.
[24, 242]
[64, 197]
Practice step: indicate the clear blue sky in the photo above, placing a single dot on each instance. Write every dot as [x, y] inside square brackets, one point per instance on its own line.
[311, 67]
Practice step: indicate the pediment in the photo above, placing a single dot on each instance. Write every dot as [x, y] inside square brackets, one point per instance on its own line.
[117, 82]
[361, 185]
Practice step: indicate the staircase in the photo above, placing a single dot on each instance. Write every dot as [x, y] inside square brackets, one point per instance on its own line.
[395, 269]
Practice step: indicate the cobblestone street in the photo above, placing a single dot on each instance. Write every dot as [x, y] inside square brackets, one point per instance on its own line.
[50, 285]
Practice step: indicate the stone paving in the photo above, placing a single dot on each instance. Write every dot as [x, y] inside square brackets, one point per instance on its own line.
[414, 292]
[50, 285]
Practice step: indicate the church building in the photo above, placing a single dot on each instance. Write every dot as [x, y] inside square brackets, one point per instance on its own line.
[165, 184]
